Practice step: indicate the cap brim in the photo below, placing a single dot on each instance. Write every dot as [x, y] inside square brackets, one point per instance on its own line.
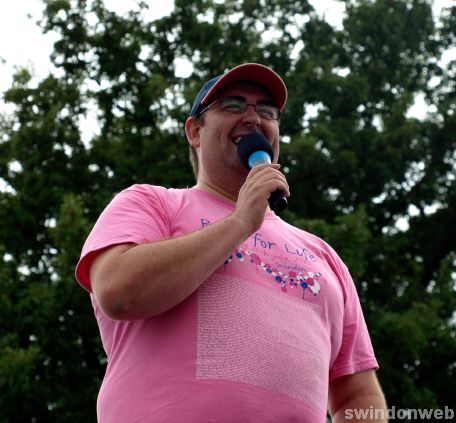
[253, 72]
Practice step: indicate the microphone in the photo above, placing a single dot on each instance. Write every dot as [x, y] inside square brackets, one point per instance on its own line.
[254, 149]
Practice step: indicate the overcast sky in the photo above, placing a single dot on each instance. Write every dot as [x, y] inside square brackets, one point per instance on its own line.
[22, 42]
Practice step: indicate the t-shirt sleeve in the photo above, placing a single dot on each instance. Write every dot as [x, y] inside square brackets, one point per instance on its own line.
[136, 215]
[356, 352]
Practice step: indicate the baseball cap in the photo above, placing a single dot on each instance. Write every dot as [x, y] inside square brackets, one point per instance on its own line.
[253, 72]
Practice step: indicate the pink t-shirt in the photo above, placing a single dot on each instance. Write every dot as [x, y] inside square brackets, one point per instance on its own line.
[257, 342]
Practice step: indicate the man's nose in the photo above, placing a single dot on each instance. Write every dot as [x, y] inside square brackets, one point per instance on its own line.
[250, 116]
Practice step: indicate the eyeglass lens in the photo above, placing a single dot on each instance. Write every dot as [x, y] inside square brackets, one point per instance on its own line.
[239, 105]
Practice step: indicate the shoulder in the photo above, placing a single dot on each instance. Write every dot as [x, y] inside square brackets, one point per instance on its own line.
[155, 191]
[144, 190]
[152, 194]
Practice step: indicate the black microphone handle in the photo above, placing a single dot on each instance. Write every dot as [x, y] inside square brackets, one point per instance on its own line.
[277, 201]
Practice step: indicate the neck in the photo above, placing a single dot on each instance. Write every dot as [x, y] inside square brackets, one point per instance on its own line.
[214, 189]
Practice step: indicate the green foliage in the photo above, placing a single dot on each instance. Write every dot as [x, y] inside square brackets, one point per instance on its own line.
[356, 162]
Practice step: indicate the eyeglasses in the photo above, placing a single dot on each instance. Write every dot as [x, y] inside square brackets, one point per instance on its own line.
[238, 105]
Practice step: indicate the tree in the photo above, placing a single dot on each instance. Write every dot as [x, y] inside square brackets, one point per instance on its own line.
[357, 163]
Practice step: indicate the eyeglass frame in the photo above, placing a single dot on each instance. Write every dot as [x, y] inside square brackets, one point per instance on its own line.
[254, 105]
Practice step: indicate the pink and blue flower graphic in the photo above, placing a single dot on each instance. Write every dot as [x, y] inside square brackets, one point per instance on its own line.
[307, 280]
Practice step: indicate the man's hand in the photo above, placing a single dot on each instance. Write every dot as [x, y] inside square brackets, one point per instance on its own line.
[253, 196]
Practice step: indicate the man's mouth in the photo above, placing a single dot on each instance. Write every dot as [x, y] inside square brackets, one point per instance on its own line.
[236, 138]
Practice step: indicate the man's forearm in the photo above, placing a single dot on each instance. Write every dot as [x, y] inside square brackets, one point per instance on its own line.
[368, 408]
[357, 397]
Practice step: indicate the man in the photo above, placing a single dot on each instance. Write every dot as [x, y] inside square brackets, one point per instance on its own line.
[210, 307]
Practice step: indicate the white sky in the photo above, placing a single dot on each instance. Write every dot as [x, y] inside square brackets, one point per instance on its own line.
[22, 42]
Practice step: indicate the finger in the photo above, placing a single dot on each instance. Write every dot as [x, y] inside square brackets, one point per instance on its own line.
[268, 173]
[268, 181]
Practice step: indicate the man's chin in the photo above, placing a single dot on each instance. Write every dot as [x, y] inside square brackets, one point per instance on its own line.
[239, 169]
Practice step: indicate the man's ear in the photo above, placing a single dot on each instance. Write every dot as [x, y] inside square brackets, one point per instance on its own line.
[193, 130]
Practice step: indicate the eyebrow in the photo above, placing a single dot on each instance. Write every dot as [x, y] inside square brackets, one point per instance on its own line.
[262, 101]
